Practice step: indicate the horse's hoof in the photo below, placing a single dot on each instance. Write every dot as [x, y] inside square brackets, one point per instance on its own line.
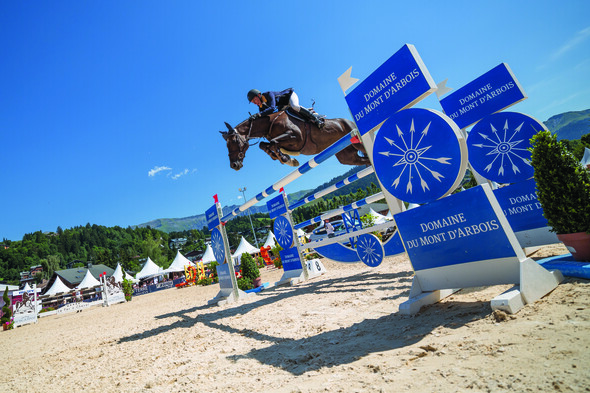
[292, 162]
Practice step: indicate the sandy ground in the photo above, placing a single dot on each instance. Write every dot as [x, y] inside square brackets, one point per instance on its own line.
[336, 333]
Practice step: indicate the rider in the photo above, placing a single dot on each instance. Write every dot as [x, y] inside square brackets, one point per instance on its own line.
[271, 101]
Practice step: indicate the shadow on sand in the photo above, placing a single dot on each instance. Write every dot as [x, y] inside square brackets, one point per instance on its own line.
[335, 347]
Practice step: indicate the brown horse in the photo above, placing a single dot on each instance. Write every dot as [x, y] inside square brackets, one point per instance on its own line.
[288, 134]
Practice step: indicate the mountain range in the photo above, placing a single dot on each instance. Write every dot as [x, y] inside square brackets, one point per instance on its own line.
[568, 125]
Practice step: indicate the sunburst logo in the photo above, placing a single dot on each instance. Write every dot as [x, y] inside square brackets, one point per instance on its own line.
[412, 158]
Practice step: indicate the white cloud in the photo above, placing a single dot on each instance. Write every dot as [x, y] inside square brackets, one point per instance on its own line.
[574, 41]
[175, 177]
[157, 169]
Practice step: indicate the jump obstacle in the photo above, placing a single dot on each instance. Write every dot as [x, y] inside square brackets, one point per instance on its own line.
[420, 157]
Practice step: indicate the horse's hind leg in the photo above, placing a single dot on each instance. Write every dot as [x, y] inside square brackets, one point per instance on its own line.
[350, 156]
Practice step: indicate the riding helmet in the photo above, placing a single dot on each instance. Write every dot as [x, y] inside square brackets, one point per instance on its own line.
[252, 93]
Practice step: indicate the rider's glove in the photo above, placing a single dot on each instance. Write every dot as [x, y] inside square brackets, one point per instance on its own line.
[255, 116]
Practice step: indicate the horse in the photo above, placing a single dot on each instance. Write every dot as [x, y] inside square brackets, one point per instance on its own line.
[26, 303]
[288, 134]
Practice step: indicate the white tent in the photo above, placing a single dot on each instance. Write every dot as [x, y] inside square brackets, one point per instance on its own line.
[27, 287]
[270, 240]
[208, 256]
[378, 218]
[57, 287]
[88, 281]
[301, 234]
[178, 264]
[118, 274]
[586, 159]
[244, 247]
[148, 270]
[130, 278]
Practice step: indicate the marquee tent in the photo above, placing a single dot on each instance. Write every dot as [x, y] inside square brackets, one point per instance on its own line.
[586, 159]
[88, 281]
[244, 247]
[118, 274]
[27, 287]
[130, 278]
[208, 255]
[378, 218]
[57, 287]
[270, 240]
[178, 264]
[301, 234]
[149, 269]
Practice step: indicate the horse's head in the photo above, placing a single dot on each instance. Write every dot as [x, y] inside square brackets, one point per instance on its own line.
[236, 146]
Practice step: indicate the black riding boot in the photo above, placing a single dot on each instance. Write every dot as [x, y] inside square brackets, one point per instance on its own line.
[313, 117]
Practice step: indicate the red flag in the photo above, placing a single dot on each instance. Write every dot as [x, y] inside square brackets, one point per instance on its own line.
[215, 198]
[282, 189]
[355, 139]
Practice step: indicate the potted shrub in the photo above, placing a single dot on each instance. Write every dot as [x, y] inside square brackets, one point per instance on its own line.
[563, 189]
[7, 320]
[127, 289]
[250, 270]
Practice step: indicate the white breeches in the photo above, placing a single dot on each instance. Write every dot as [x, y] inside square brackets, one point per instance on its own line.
[294, 101]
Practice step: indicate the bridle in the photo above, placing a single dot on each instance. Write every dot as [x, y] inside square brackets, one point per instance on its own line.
[244, 146]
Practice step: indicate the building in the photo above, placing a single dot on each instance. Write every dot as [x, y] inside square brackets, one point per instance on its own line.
[73, 277]
[29, 277]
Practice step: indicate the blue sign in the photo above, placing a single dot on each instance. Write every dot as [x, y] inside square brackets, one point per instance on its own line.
[495, 90]
[419, 155]
[460, 228]
[520, 206]
[290, 259]
[498, 146]
[370, 250]
[212, 217]
[283, 232]
[276, 206]
[398, 83]
[224, 276]
[217, 246]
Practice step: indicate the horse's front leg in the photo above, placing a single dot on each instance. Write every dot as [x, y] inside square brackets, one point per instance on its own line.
[275, 146]
[265, 146]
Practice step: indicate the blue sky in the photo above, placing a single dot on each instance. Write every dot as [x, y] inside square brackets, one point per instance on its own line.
[110, 110]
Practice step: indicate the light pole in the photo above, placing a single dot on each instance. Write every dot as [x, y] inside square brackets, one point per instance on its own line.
[243, 191]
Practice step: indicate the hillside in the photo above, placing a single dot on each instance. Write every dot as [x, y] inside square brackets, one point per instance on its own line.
[199, 221]
[570, 125]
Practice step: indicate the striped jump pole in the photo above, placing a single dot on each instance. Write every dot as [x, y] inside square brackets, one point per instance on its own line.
[359, 175]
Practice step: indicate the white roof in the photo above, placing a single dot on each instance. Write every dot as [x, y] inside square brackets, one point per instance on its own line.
[245, 247]
[208, 256]
[148, 270]
[88, 281]
[178, 264]
[118, 274]
[57, 287]
[586, 159]
[130, 278]
[270, 240]
[10, 288]
[378, 218]
[27, 287]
